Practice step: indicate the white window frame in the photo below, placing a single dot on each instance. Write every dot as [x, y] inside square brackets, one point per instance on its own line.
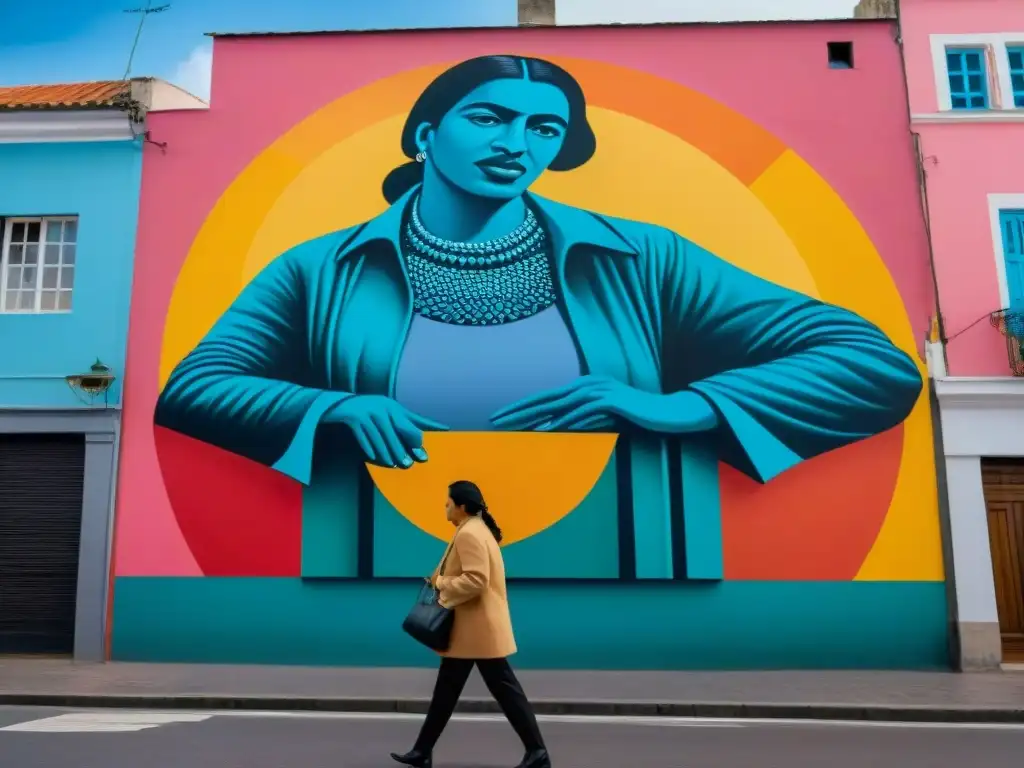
[996, 46]
[996, 204]
[8, 226]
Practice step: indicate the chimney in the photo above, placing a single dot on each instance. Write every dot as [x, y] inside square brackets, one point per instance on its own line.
[536, 13]
[872, 9]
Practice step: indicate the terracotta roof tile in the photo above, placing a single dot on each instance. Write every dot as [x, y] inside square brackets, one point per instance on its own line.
[63, 96]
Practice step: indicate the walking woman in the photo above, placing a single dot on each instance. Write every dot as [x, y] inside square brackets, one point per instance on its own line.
[471, 581]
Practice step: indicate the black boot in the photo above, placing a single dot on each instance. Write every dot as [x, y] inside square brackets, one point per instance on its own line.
[418, 759]
[536, 758]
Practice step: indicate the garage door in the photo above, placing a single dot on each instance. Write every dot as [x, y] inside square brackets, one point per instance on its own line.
[40, 520]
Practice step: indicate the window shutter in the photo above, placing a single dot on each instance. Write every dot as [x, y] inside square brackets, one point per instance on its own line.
[1017, 74]
[1012, 226]
[41, 479]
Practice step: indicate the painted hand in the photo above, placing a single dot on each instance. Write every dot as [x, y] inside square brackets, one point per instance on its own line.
[388, 434]
[593, 403]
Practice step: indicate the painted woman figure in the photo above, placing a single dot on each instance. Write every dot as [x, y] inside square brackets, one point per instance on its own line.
[472, 304]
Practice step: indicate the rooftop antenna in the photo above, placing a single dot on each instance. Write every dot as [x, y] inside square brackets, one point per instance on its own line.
[143, 15]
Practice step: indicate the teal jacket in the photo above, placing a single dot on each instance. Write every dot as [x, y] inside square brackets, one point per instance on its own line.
[789, 376]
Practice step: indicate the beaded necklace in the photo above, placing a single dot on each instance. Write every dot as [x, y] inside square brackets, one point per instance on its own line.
[487, 283]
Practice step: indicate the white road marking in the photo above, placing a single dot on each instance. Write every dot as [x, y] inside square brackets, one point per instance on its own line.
[108, 721]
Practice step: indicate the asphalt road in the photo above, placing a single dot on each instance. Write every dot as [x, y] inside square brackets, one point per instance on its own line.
[36, 738]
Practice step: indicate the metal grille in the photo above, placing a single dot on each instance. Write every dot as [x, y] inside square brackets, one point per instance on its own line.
[41, 480]
[1010, 323]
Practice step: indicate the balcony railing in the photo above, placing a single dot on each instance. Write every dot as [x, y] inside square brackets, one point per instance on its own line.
[1010, 323]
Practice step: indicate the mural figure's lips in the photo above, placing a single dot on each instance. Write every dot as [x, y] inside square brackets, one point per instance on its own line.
[502, 169]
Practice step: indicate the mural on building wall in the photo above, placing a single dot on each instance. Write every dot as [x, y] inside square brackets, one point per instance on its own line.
[472, 304]
[657, 338]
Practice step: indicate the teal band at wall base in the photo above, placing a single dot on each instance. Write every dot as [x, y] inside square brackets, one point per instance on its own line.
[644, 625]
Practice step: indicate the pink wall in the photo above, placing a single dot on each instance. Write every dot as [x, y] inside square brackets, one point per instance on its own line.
[964, 162]
[849, 125]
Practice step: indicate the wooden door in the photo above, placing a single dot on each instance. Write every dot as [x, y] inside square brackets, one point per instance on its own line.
[1003, 481]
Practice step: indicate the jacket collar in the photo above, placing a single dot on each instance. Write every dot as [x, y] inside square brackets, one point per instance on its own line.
[567, 226]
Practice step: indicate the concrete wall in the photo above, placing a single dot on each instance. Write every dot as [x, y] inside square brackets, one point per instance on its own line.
[875, 9]
[813, 554]
[98, 182]
[536, 12]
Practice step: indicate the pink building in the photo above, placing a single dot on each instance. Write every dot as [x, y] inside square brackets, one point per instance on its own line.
[703, 221]
[965, 72]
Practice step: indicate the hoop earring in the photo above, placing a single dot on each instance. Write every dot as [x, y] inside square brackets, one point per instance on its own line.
[421, 156]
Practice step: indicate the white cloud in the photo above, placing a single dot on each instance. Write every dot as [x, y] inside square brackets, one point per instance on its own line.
[650, 11]
[195, 72]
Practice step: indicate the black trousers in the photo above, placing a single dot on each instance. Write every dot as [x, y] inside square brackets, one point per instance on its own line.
[504, 687]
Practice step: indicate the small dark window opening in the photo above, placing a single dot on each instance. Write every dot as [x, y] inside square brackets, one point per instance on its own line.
[840, 55]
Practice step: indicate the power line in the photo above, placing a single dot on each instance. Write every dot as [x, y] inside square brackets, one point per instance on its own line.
[143, 15]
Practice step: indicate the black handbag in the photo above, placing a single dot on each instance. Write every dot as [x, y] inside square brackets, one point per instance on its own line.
[429, 622]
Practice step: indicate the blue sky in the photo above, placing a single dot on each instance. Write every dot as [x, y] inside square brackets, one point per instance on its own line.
[59, 41]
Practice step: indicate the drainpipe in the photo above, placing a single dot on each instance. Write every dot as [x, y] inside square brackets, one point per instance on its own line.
[935, 343]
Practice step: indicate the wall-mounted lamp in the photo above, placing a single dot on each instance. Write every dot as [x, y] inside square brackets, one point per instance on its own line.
[95, 382]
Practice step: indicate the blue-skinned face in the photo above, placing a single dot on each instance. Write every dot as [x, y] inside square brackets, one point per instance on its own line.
[498, 139]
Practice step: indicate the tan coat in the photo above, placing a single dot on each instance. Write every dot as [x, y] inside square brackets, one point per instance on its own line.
[473, 583]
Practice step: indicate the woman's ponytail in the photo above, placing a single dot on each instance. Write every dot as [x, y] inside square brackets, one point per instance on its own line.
[491, 523]
[463, 493]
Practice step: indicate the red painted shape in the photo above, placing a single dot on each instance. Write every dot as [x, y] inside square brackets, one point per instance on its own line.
[238, 517]
[816, 522]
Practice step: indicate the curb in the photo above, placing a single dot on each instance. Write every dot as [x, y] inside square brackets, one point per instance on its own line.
[725, 710]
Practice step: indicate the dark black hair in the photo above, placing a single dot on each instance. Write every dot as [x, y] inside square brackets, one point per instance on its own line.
[463, 493]
[451, 86]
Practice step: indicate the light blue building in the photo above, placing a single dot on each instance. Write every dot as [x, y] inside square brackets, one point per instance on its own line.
[70, 173]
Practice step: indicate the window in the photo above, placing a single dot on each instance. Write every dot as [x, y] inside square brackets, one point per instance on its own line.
[37, 265]
[1017, 74]
[840, 55]
[1012, 225]
[968, 78]
[979, 77]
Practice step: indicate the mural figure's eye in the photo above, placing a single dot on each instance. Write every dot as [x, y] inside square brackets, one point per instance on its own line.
[484, 120]
[547, 131]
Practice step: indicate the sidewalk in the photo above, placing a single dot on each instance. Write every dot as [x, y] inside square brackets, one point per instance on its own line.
[917, 696]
